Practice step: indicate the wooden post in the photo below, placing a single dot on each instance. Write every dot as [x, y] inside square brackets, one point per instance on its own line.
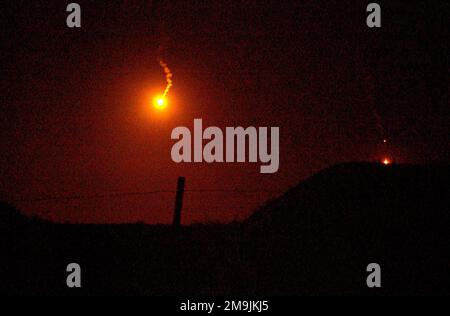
[178, 202]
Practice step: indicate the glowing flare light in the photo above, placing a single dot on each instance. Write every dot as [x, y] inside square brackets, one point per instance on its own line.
[160, 102]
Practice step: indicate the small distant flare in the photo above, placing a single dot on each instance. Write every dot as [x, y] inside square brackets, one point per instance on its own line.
[386, 161]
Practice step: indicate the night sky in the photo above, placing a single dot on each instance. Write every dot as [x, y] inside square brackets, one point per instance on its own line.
[75, 116]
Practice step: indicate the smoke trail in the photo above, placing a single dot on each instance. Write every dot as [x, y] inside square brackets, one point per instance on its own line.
[371, 100]
[168, 76]
[370, 94]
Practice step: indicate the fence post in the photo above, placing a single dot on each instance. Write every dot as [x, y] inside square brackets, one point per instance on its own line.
[178, 202]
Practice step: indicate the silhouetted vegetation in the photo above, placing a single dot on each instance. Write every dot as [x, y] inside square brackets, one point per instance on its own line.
[315, 239]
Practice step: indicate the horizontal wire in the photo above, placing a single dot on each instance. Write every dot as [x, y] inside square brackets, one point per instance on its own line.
[126, 194]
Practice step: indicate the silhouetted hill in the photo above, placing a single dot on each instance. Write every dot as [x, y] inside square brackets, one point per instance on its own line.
[9, 214]
[353, 191]
[317, 238]
[341, 219]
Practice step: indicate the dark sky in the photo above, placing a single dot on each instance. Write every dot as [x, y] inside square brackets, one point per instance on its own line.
[75, 118]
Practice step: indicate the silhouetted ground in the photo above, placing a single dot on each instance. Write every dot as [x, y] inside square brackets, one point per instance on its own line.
[315, 239]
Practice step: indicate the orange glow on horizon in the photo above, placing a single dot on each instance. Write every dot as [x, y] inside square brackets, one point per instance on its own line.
[386, 161]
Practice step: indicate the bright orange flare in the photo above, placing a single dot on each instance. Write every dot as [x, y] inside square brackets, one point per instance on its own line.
[386, 161]
[160, 102]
